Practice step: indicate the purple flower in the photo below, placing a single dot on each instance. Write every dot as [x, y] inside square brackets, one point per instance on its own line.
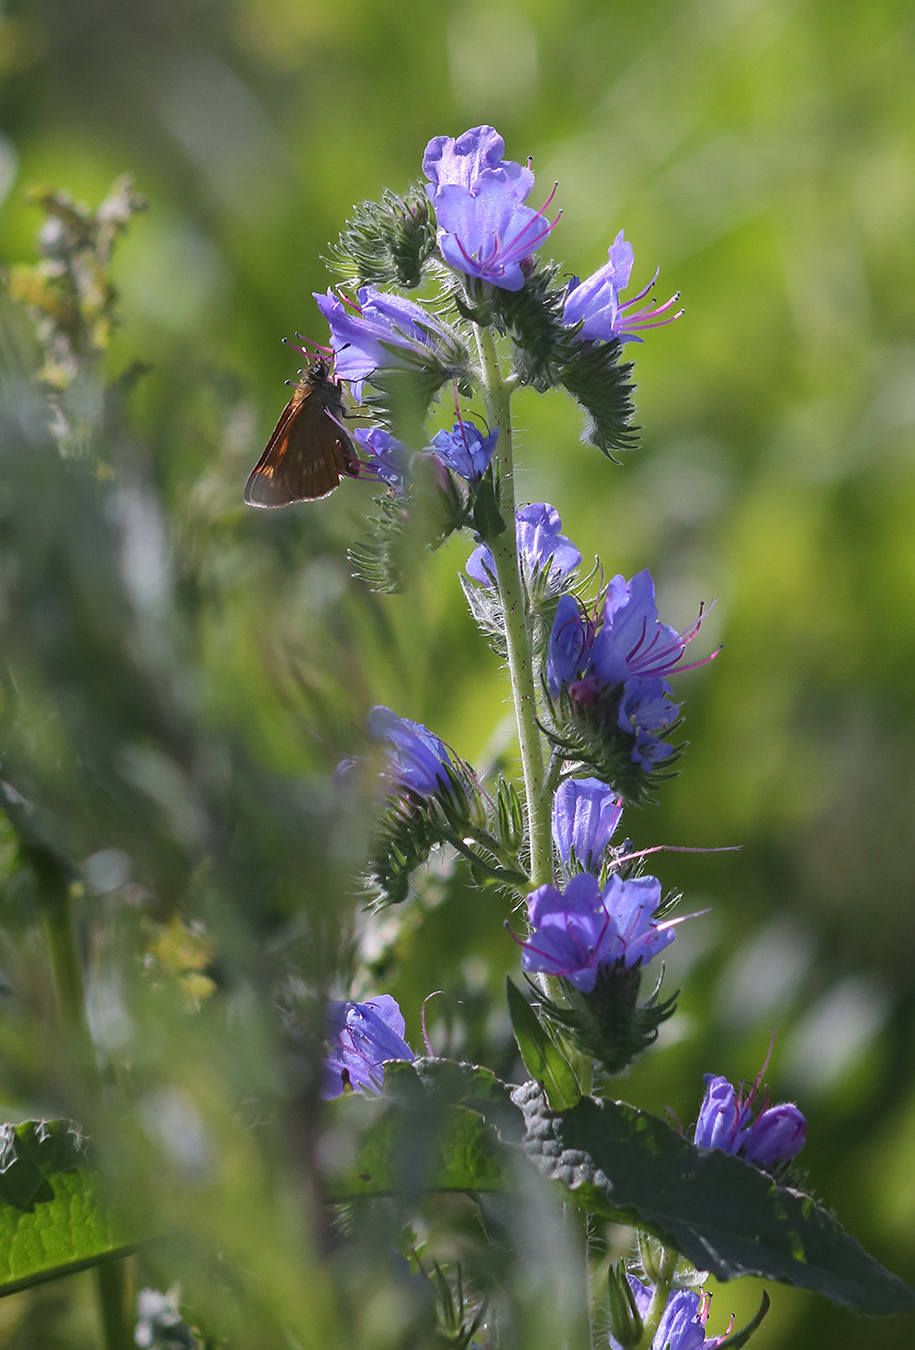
[630, 640]
[682, 1324]
[465, 450]
[485, 230]
[541, 547]
[595, 302]
[625, 649]
[775, 1136]
[647, 711]
[388, 456]
[417, 760]
[460, 160]
[382, 331]
[585, 815]
[576, 931]
[360, 1037]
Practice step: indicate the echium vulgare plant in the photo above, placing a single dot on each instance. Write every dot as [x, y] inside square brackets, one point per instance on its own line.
[271, 1147]
[446, 290]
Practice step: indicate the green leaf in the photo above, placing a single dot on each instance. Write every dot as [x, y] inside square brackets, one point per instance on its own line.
[440, 1126]
[542, 1058]
[722, 1214]
[52, 1219]
[400, 1151]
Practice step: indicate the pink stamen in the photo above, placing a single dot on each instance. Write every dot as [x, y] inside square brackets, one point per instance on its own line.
[353, 305]
[648, 311]
[765, 1065]
[422, 1018]
[318, 346]
[644, 291]
[630, 654]
[681, 918]
[674, 848]
[661, 322]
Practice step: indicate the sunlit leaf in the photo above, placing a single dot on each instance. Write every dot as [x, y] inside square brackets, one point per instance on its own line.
[52, 1219]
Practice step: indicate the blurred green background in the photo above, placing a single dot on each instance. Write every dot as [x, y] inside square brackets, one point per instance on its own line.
[762, 154]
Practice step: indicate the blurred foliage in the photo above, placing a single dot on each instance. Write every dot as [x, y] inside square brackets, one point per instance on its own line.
[187, 672]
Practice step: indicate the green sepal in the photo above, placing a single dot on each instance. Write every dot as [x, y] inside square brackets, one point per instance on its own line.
[485, 606]
[488, 521]
[609, 1023]
[625, 1321]
[740, 1338]
[510, 815]
[410, 827]
[407, 525]
[401, 397]
[386, 243]
[591, 738]
[597, 378]
[542, 1058]
[543, 345]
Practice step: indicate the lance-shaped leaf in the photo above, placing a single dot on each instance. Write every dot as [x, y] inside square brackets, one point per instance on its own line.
[722, 1214]
[542, 1057]
[52, 1218]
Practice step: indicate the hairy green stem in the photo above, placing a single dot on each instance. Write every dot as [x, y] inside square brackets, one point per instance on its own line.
[497, 397]
[69, 991]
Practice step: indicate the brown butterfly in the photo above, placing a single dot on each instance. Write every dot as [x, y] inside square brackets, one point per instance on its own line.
[309, 452]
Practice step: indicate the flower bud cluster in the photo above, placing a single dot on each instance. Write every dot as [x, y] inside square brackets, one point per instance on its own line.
[775, 1137]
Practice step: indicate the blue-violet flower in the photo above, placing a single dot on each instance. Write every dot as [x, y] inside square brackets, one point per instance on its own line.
[462, 159]
[387, 456]
[542, 547]
[360, 1037]
[624, 648]
[682, 1324]
[577, 931]
[485, 230]
[382, 331]
[595, 302]
[585, 815]
[465, 450]
[417, 760]
[775, 1136]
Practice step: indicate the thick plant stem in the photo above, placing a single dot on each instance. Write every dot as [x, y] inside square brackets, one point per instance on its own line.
[57, 912]
[504, 550]
[659, 1298]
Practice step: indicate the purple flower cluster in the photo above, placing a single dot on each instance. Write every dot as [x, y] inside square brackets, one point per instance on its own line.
[626, 650]
[595, 302]
[464, 450]
[417, 760]
[485, 230]
[542, 547]
[775, 1136]
[586, 813]
[360, 1037]
[682, 1324]
[587, 926]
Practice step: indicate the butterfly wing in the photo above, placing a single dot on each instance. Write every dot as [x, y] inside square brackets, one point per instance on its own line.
[305, 457]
